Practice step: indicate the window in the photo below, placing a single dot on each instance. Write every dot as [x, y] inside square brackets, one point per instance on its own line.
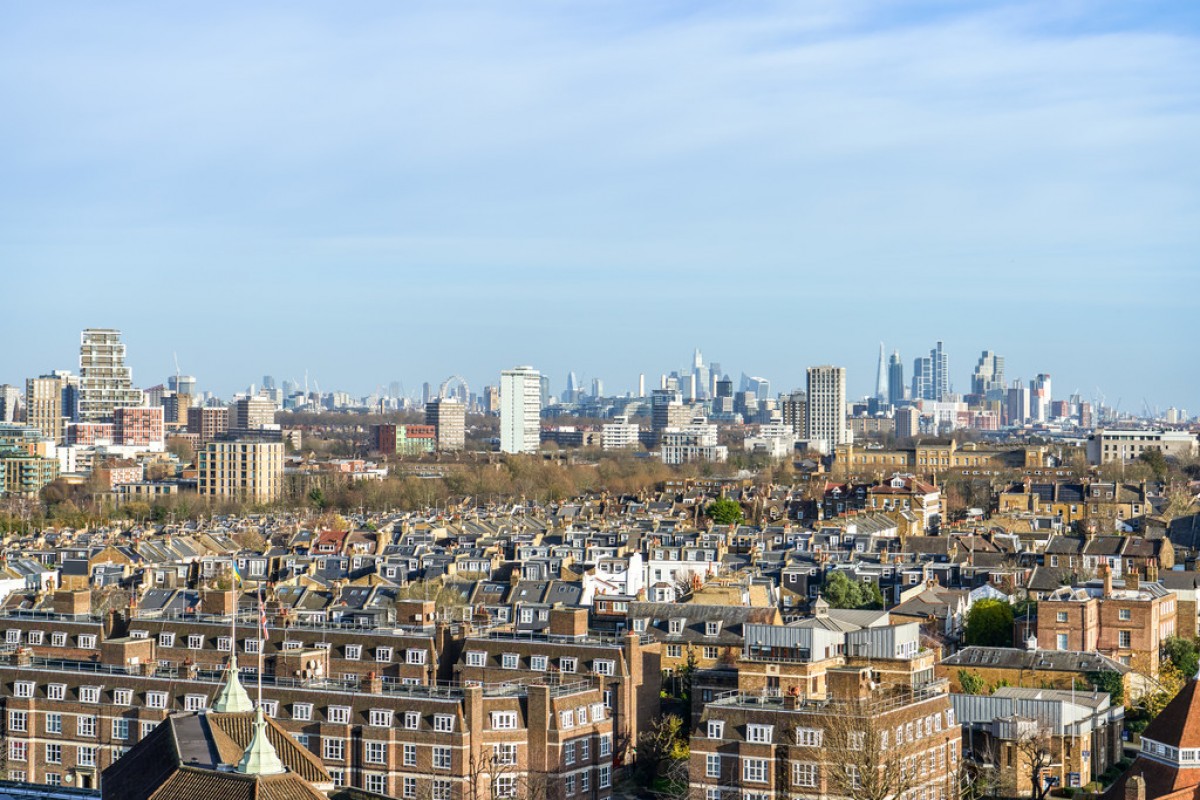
[58, 639]
[338, 777]
[54, 754]
[443, 723]
[339, 715]
[166, 640]
[476, 658]
[510, 661]
[441, 757]
[18, 750]
[675, 626]
[710, 628]
[54, 723]
[195, 641]
[375, 752]
[383, 655]
[302, 712]
[376, 783]
[415, 656]
[569, 753]
[712, 653]
[380, 718]
[598, 714]
[441, 789]
[712, 765]
[18, 721]
[1124, 639]
[54, 779]
[504, 786]
[35, 637]
[566, 719]
[120, 728]
[353, 652]
[538, 663]
[292, 644]
[85, 756]
[146, 727]
[754, 770]
[123, 697]
[1061, 616]
[570, 784]
[12, 636]
[504, 720]
[674, 651]
[804, 773]
[504, 753]
[809, 737]
[333, 748]
[139, 634]
[585, 779]
[604, 777]
[1124, 614]
[585, 749]
[604, 667]
[252, 645]
[760, 734]
[412, 720]
[194, 702]
[85, 726]
[56, 691]
[224, 644]
[409, 788]
[23, 689]
[87, 641]
[605, 746]
[1061, 641]
[567, 664]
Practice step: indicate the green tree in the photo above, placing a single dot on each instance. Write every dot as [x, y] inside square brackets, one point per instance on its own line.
[1110, 682]
[1183, 654]
[990, 624]
[872, 597]
[841, 592]
[724, 511]
[971, 682]
[1154, 458]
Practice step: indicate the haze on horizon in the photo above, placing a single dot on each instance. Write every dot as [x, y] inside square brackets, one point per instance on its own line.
[376, 191]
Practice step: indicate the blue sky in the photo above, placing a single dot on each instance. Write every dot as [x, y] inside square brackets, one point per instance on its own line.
[382, 191]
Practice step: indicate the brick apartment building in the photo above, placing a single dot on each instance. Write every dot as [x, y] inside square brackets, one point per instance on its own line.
[140, 426]
[1127, 620]
[78, 693]
[886, 739]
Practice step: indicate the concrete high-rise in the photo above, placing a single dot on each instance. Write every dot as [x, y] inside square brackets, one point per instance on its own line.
[922, 378]
[895, 379]
[794, 408]
[520, 410]
[44, 405]
[243, 469]
[826, 412]
[941, 372]
[449, 420]
[251, 414]
[105, 381]
[1018, 403]
[988, 377]
[882, 378]
[1039, 398]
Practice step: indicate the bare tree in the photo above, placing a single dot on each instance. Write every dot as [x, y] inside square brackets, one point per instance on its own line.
[1033, 755]
[861, 762]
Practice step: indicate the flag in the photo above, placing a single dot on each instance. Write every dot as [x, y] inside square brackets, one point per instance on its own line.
[237, 575]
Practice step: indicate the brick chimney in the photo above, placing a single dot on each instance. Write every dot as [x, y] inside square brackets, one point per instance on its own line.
[849, 683]
[571, 622]
[1133, 581]
[221, 604]
[1107, 572]
[1135, 788]
[73, 602]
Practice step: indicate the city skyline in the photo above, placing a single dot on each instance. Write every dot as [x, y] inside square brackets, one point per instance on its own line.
[1018, 177]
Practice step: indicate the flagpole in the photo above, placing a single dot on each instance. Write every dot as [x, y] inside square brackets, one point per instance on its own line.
[262, 642]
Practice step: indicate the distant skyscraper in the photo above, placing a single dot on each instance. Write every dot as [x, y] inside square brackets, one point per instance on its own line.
[571, 395]
[895, 379]
[182, 384]
[10, 403]
[105, 382]
[449, 420]
[426, 393]
[941, 372]
[794, 408]
[44, 405]
[520, 410]
[760, 387]
[1018, 403]
[881, 378]
[989, 375]
[269, 383]
[597, 387]
[641, 385]
[1039, 398]
[922, 378]
[826, 412]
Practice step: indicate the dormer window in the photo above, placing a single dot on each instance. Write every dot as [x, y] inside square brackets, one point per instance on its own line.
[676, 625]
[712, 628]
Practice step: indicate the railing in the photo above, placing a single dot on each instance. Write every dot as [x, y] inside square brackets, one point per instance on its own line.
[452, 690]
[774, 698]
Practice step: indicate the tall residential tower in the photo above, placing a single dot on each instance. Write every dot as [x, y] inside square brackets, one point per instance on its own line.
[520, 410]
[105, 382]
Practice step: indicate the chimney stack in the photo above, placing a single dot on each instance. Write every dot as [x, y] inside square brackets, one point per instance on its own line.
[1107, 580]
